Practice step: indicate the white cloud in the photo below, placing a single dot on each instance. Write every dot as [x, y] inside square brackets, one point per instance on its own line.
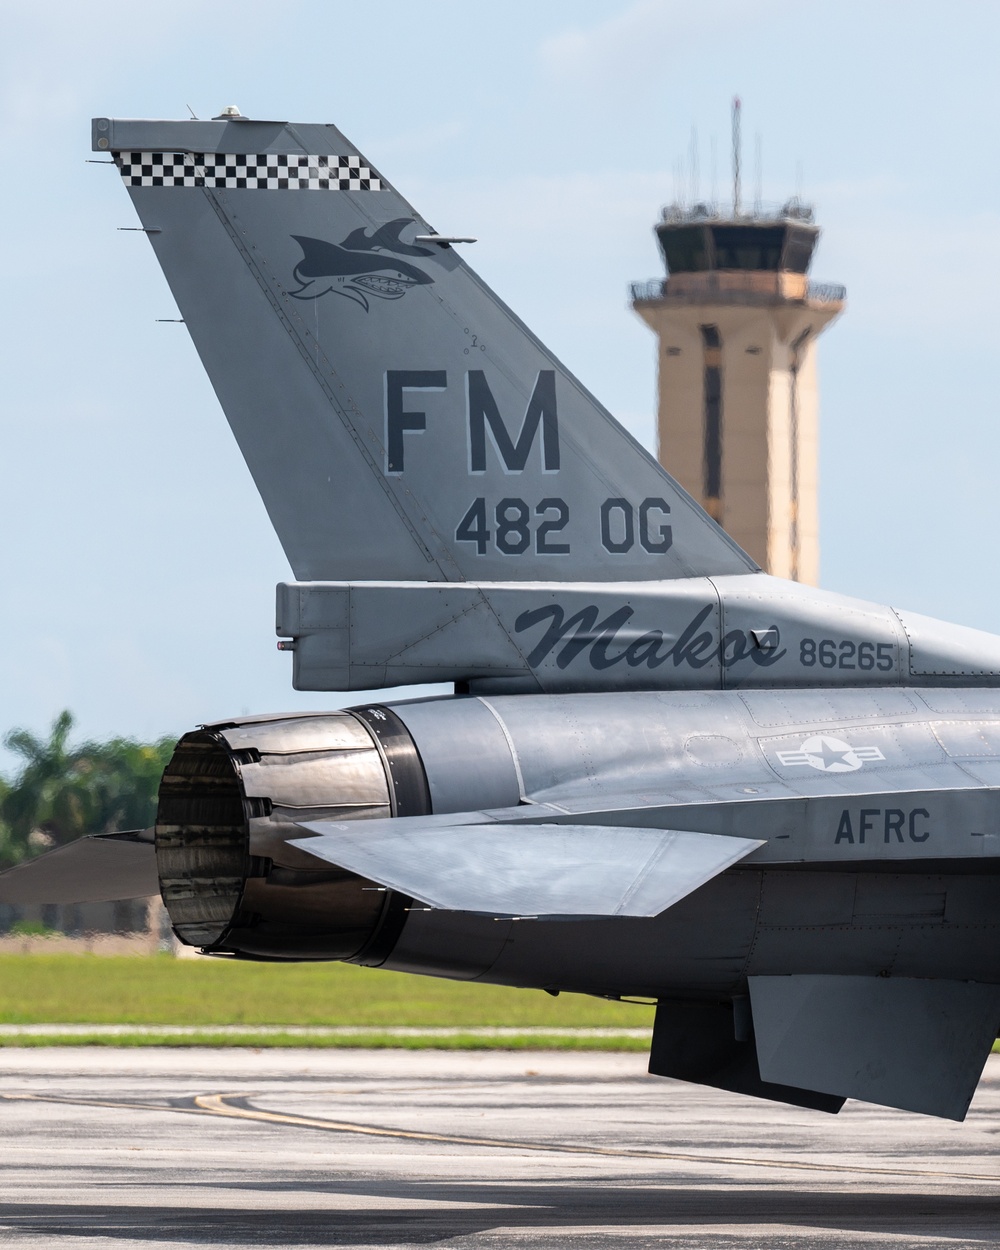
[579, 51]
[644, 36]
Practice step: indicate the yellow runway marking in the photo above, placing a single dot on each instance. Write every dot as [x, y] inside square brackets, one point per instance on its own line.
[219, 1106]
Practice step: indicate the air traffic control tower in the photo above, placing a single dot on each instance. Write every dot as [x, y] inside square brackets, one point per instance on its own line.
[737, 320]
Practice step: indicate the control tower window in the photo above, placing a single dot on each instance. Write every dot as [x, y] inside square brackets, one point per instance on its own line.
[748, 247]
[799, 246]
[685, 249]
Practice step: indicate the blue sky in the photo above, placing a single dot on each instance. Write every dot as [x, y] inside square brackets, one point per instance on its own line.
[138, 562]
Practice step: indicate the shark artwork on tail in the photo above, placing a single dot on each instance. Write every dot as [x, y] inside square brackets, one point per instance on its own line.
[360, 267]
[662, 773]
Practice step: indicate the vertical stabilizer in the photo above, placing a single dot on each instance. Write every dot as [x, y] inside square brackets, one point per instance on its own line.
[399, 421]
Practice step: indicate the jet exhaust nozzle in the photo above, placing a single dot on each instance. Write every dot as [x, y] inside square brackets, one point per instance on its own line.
[230, 801]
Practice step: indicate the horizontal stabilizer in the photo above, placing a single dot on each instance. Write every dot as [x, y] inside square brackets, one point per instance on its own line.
[103, 868]
[901, 1042]
[529, 870]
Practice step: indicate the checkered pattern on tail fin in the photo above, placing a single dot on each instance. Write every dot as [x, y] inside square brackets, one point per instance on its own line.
[266, 171]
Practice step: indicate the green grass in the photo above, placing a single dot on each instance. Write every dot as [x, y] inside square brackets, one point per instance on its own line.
[90, 989]
[361, 1041]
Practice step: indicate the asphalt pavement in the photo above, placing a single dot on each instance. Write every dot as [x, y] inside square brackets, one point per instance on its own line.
[103, 1147]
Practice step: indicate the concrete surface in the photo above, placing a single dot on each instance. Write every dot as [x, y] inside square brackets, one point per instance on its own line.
[230, 1148]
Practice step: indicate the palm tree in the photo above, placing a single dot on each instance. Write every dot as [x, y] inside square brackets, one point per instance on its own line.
[45, 799]
[8, 850]
[63, 792]
[122, 780]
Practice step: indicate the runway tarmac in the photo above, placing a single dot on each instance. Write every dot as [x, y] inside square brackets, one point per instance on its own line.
[104, 1148]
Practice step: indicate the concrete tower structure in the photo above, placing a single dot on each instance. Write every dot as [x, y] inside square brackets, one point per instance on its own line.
[737, 320]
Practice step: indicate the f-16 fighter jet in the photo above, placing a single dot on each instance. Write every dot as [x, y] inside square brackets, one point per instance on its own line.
[662, 773]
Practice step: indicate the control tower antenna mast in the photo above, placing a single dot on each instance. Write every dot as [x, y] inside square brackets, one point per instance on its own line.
[737, 107]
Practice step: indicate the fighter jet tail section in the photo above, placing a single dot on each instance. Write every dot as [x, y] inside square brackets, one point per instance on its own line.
[399, 421]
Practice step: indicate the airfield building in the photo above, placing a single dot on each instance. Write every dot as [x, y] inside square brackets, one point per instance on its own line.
[737, 319]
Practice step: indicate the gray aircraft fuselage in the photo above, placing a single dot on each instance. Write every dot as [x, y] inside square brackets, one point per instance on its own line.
[878, 810]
